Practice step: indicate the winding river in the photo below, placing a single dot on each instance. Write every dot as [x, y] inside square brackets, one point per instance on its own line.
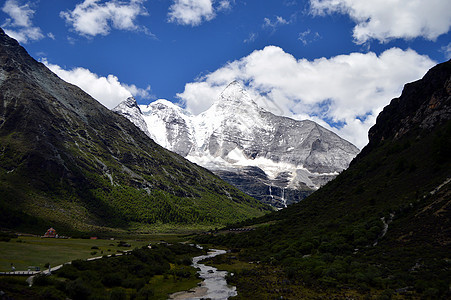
[214, 285]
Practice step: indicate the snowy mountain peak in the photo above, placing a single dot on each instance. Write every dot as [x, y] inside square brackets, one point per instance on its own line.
[129, 108]
[162, 105]
[235, 135]
[234, 94]
[169, 125]
[129, 103]
[163, 102]
[233, 90]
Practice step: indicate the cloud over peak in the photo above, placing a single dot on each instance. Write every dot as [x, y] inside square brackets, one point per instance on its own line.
[107, 90]
[344, 93]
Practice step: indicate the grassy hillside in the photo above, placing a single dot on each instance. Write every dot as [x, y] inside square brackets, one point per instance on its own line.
[67, 161]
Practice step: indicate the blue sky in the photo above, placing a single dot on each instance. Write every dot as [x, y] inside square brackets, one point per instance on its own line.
[338, 62]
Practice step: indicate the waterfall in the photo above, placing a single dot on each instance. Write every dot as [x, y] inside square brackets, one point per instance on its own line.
[284, 201]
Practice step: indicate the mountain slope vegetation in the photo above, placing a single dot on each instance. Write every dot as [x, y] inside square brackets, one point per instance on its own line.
[381, 228]
[65, 159]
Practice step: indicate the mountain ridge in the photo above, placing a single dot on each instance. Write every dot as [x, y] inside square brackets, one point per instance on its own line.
[131, 106]
[235, 136]
[431, 113]
[65, 158]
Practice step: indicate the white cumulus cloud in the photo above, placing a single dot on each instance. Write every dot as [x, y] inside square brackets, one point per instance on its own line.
[107, 90]
[191, 12]
[344, 93]
[384, 20]
[93, 17]
[195, 12]
[20, 26]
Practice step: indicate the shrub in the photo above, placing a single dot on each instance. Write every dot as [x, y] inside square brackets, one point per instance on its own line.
[113, 279]
[41, 280]
[6, 237]
[186, 261]
[77, 289]
[134, 283]
[52, 293]
[68, 271]
[183, 273]
[145, 293]
[118, 294]
[79, 264]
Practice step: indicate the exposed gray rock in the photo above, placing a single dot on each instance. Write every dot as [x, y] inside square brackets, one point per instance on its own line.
[130, 109]
[423, 104]
[235, 135]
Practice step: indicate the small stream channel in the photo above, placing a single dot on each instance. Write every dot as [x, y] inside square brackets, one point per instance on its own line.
[214, 285]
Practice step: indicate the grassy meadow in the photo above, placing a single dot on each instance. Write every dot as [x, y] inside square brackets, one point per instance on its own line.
[26, 251]
[142, 273]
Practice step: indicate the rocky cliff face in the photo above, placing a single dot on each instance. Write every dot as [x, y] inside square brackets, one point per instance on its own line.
[275, 159]
[423, 105]
[132, 112]
[170, 126]
[66, 158]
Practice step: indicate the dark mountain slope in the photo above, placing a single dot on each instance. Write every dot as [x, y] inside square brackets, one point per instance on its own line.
[382, 224]
[423, 105]
[65, 158]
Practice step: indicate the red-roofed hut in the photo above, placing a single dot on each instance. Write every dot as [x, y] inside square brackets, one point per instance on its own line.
[51, 233]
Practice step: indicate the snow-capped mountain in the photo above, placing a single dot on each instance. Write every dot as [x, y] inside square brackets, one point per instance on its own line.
[275, 159]
[130, 109]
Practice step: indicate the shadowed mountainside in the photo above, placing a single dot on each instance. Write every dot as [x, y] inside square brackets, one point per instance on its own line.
[66, 159]
[382, 227]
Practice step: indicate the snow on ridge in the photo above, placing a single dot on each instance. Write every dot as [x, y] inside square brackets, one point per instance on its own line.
[235, 133]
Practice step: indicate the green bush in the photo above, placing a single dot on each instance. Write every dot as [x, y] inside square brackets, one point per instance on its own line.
[118, 293]
[77, 289]
[111, 280]
[146, 293]
[6, 237]
[52, 293]
[41, 279]
[68, 271]
[134, 283]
